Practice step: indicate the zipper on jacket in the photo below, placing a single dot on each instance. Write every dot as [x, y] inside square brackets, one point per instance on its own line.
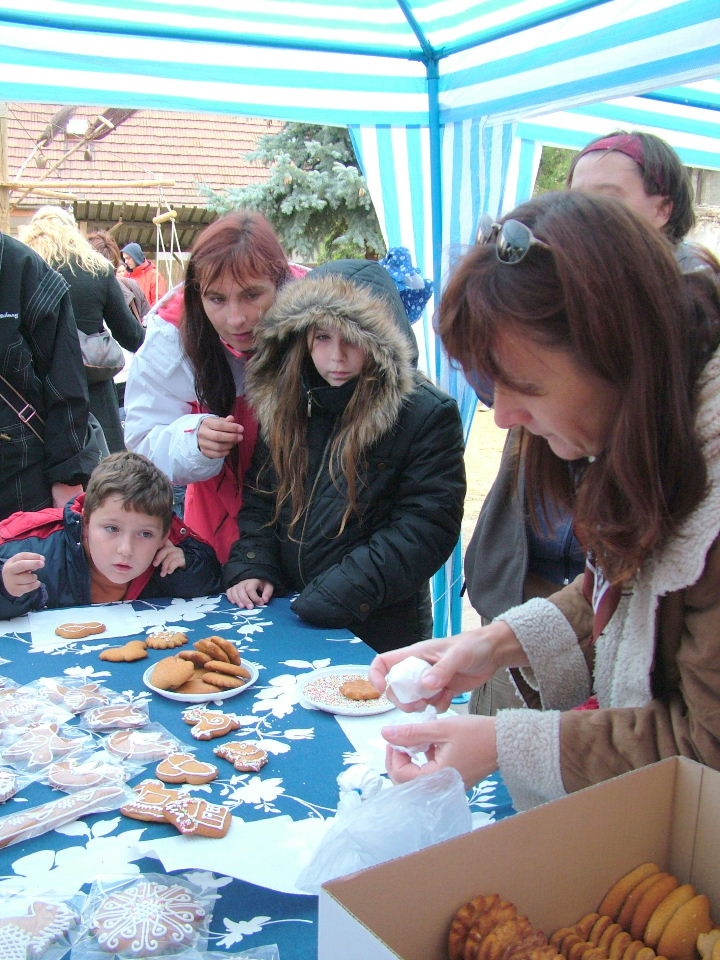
[316, 481]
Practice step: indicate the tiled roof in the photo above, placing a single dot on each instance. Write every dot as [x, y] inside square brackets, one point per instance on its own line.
[186, 148]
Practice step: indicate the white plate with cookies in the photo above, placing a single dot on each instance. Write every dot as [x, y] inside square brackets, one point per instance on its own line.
[204, 697]
[342, 689]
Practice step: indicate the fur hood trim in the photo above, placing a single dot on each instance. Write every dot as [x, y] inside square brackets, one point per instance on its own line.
[362, 318]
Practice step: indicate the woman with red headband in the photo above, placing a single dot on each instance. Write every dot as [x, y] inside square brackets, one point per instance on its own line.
[646, 173]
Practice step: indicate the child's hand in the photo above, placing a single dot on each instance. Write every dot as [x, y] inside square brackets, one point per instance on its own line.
[251, 593]
[169, 558]
[19, 575]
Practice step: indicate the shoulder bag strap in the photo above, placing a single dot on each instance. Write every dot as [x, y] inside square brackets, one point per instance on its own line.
[21, 408]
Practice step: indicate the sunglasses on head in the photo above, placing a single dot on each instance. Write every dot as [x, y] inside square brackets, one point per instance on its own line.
[512, 239]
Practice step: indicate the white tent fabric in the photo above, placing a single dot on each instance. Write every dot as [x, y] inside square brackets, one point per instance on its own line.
[447, 100]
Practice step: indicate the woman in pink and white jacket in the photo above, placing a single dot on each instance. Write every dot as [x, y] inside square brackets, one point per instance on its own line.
[185, 404]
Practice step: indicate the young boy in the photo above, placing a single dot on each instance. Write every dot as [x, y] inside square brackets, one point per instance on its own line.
[120, 540]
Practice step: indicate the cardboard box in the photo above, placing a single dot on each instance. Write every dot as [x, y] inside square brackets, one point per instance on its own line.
[555, 862]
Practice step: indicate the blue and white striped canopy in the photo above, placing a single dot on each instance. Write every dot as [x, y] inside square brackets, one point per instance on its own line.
[448, 101]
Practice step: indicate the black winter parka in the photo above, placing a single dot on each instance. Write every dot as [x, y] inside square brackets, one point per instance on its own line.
[373, 578]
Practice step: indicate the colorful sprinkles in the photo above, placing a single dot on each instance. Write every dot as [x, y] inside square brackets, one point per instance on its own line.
[324, 691]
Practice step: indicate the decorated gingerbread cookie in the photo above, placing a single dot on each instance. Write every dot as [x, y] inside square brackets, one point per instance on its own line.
[209, 724]
[184, 768]
[194, 815]
[116, 716]
[141, 745]
[243, 755]
[166, 639]
[75, 698]
[30, 935]
[8, 786]
[39, 745]
[76, 631]
[70, 775]
[151, 797]
[147, 919]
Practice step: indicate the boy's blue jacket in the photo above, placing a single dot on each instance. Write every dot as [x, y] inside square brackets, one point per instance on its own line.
[57, 534]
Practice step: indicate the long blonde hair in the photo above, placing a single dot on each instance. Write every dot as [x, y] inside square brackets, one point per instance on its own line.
[54, 234]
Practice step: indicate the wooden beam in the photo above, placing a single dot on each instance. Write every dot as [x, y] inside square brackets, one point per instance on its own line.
[79, 184]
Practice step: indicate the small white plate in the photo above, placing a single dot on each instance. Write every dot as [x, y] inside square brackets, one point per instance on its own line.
[321, 689]
[202, 697]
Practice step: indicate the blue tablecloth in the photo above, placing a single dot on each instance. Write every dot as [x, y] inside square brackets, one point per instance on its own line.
[308, 751]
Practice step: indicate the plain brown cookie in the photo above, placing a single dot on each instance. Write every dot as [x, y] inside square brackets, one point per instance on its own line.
[232, 669]
[132, 650]
[197, 657]
[615, 897]
[359, 690]
[75, 631]
[166, 639]
[213, 649]
[223, 680]
[679, 937]
[650, 900]
[171, 673]
[197, 684]
[665, 909]
[232, 654]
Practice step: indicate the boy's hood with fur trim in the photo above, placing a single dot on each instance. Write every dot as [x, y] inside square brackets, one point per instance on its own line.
[360, 315]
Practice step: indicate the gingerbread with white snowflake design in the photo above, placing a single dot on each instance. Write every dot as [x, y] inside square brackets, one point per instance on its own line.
[147, 919]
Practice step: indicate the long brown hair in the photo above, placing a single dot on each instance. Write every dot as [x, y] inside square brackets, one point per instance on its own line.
[611, 294]
[241, 245]
[288, 442]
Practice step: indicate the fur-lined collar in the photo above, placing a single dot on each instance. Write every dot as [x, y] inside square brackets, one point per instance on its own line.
[361, 317]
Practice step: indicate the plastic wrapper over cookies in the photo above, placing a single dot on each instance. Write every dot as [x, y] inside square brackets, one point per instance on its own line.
[144, 916]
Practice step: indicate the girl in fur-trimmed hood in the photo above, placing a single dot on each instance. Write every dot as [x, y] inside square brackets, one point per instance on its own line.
[354, 498]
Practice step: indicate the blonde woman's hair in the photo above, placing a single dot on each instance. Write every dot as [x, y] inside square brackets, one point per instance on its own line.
[54, 234]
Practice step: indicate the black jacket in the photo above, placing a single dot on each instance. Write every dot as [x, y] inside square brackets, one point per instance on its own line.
[98, 297]
[40, 357]
[373, 578]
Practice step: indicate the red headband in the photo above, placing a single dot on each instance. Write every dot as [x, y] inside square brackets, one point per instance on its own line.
[629, 144]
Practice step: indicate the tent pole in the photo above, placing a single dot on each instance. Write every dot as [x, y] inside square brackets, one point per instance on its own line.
[435, 182]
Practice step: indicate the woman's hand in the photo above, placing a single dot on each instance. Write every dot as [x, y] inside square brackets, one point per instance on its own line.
[467, 743]
[217, 436]
[18, 573]
[169, 558]
[63, 493]
[251, 593]
[459, 663]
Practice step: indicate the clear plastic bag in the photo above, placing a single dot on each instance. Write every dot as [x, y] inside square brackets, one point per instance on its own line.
[390, 824]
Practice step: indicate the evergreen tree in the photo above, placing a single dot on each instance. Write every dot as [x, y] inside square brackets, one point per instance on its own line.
[554, 165]
[316, 198]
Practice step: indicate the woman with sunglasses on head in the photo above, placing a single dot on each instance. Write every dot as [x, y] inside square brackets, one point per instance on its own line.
[509, 559]
[185, 400]
[605, 356]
